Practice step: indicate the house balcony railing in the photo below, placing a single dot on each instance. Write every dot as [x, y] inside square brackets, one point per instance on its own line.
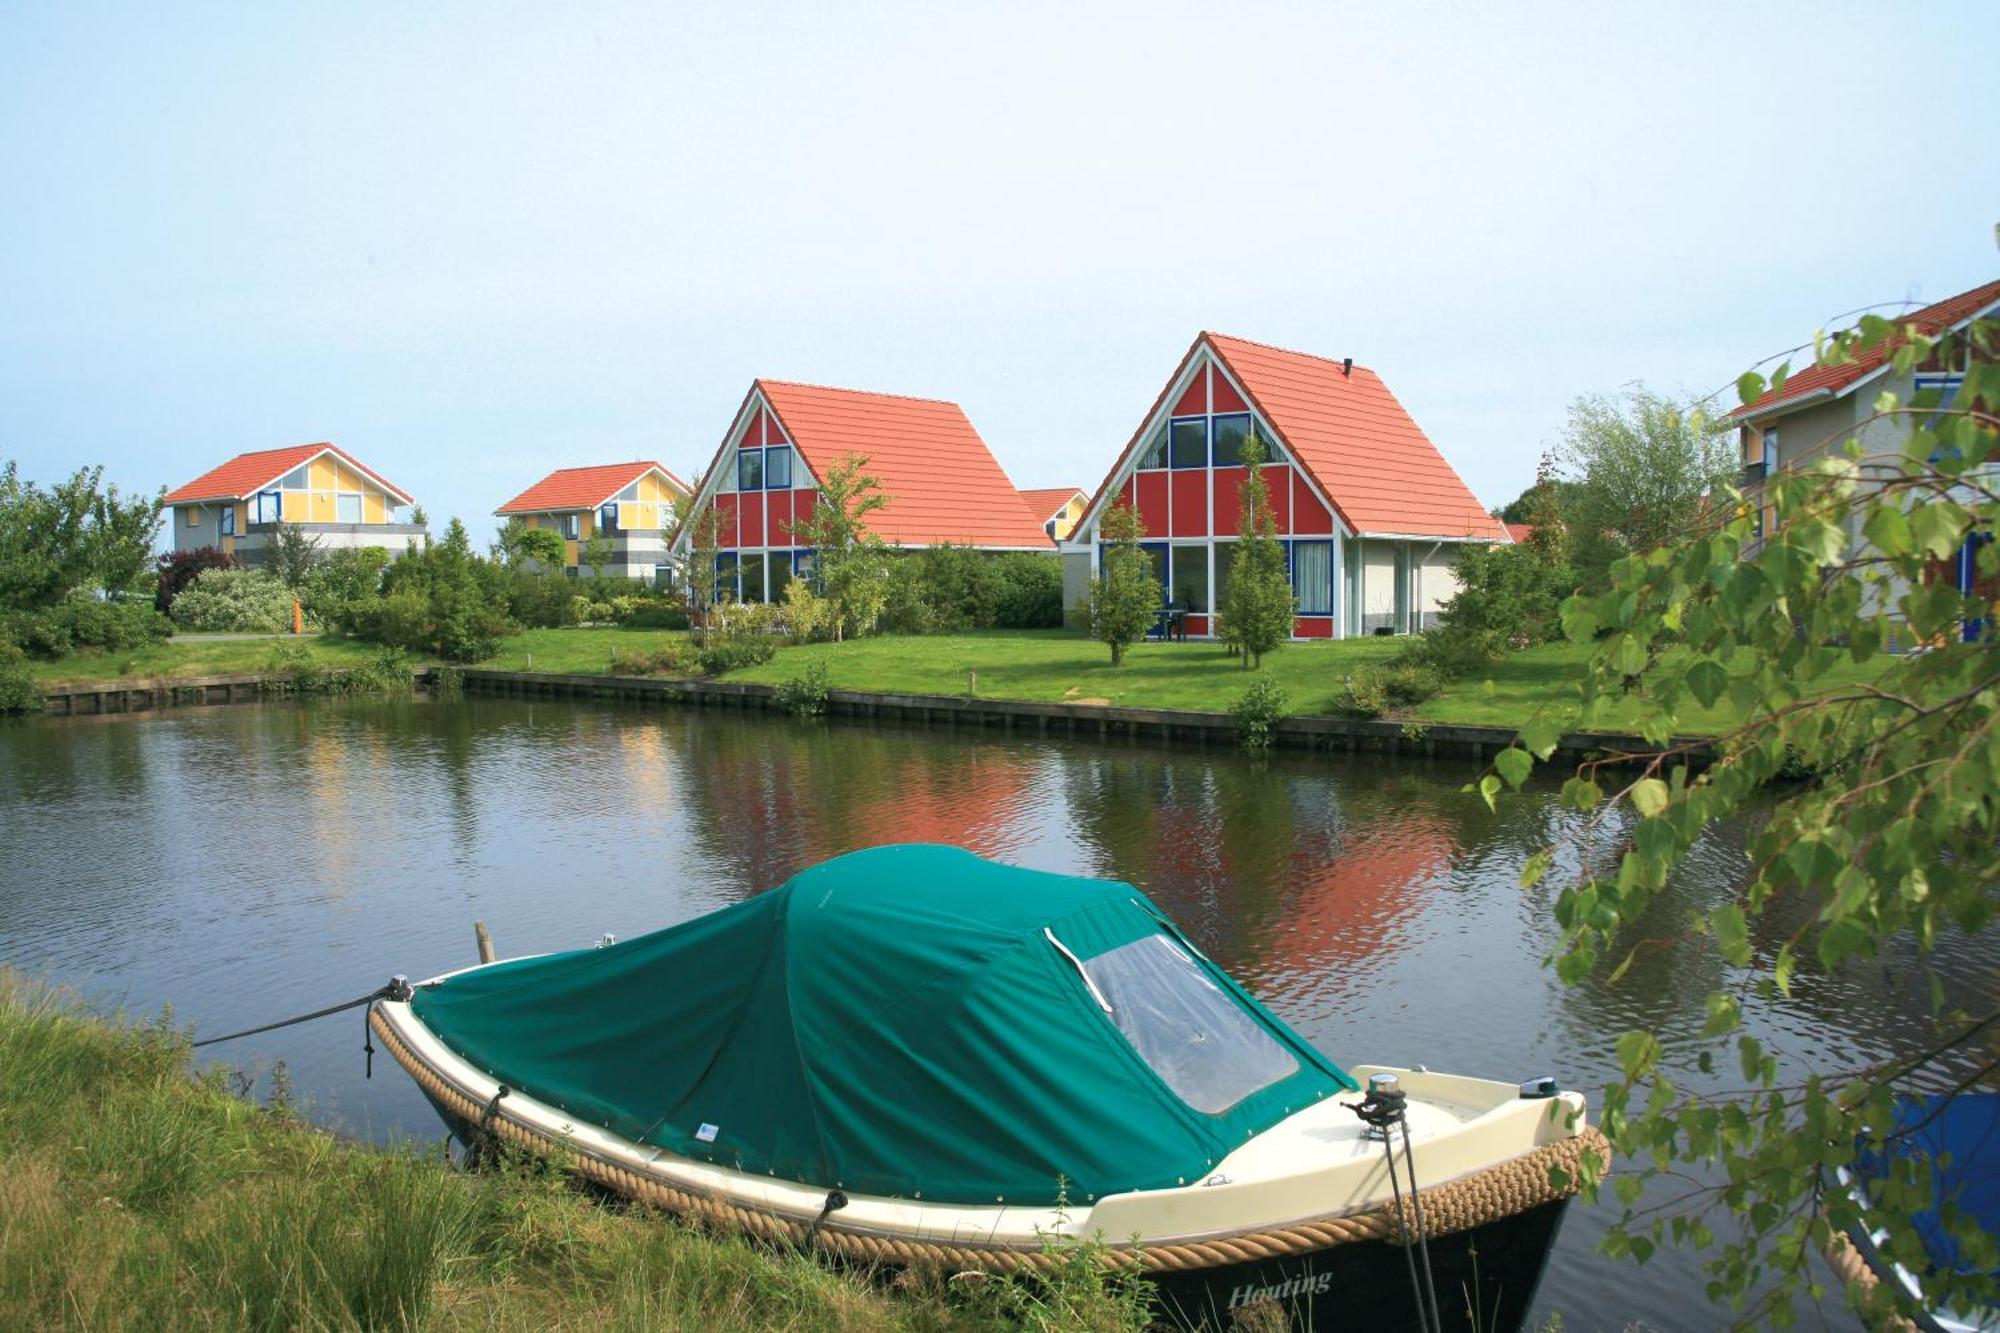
[369, 529]
[1753, 474]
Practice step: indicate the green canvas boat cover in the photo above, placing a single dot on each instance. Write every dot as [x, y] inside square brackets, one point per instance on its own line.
[911, 1021]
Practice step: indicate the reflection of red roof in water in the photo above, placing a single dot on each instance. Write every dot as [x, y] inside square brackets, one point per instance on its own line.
[972, 800]
[1345, 906]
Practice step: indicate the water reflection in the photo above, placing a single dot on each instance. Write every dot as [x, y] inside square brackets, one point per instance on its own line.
[245, 863]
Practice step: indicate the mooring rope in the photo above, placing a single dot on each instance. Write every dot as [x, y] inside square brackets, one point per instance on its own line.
[397, 988]
[1382, 1110]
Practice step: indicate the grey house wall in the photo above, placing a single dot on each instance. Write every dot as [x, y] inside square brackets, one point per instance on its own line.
[1076, 586]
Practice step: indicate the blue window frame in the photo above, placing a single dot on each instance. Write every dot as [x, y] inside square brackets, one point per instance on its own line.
[778, 468]
[607, 518]
[1312, 577]
[1228, 433]
[802, 564]
[725, 576]
[270, 507]
[1154, 455]
[1187, 442]
[226, 523]
[749, 469]
[571, 526]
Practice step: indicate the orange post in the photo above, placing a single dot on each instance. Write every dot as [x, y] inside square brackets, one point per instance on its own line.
[298, 617]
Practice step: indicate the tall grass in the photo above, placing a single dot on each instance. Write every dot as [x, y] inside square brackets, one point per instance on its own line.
[135, 1196]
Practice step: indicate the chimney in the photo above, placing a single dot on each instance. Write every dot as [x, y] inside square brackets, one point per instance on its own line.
[1347, 366]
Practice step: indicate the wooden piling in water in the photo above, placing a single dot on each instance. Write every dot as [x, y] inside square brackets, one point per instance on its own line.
[484, 939]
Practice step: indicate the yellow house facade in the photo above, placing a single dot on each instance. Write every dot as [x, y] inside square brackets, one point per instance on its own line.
[630, 506]
[320, 488]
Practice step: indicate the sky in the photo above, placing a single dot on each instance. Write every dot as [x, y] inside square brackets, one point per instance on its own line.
[473, 243]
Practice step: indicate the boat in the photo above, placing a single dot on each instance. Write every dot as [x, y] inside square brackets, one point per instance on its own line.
[1954, 1140]
[913, 1056]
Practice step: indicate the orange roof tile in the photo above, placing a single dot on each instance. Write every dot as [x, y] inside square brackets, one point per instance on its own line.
[583, 487]
[1832, 381]
[1373, 461]
[943, 483]
[1045, 503]
[1382, 473]
[246, 474]
[1520, 532]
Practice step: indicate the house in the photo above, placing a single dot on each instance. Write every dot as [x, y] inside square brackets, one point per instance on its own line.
[1823, 406]
[630, 506]
[1058, 507]
[1370, 512]
[320, 489]
[942, 482]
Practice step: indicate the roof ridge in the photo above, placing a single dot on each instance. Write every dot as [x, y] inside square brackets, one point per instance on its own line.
[1334, 361]
[858, 393]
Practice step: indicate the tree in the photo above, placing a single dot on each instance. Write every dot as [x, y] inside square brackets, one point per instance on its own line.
[539, 549]
[594, 554]
[1124, 597]
[177, 569]
[1638, 468]
[292, 556]
[1890, 846]
[1258, 606]
[77, 536]
[439, 599]
[850, 563]
[698, 578]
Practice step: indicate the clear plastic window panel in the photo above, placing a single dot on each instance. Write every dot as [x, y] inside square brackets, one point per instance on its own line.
[1185, 1027]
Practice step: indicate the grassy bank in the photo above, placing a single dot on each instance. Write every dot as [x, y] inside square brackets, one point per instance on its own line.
[133, 1196]
[1049, 666]
[194, 655]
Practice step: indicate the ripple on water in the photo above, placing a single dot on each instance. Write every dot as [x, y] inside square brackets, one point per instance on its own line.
[246, 863]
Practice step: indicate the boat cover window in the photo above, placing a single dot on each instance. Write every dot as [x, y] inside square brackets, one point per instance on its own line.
[1194, 1036]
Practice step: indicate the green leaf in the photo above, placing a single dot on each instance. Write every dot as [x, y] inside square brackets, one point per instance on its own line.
[1489, 789]
[1579, 620]
[1514, 764]
[1637, 1053]
[1534, 868]
[1888, 531]
[1939, 527]
[1649, 796]
[1707, 681]
[1749, 387]
[1732, 934]
[1541, 736]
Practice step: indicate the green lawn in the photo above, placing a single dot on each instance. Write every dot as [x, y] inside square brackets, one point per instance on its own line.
[1054, 666]
[192, 655]
[1057, 666]
[574, 651]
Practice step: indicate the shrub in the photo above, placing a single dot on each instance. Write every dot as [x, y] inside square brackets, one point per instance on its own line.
[804, 695]
[18, 691]
[728, 652]
[672, 659]
[242, 601]
[808, 616]
[83, 622]
[1031, 592]
[177, 569]
[1401, 683]
[541, 601]
[655, 614]
[1257, 713]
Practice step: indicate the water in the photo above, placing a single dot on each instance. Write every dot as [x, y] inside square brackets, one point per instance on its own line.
[242, 864]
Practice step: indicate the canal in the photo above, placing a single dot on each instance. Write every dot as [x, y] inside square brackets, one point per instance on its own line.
[245, 863]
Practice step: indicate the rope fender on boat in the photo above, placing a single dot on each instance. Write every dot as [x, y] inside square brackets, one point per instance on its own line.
[1498, 1191]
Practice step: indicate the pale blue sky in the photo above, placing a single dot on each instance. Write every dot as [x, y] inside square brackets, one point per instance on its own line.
[473, 243]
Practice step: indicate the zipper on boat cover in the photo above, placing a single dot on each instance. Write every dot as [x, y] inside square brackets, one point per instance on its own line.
[1077, 963]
